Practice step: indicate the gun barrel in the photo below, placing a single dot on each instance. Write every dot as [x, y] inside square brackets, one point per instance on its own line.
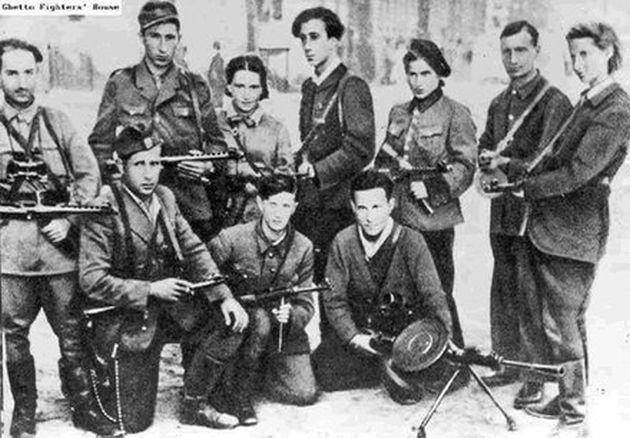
[551, 370]
[280, 293]
[174, 159]
[208, 283]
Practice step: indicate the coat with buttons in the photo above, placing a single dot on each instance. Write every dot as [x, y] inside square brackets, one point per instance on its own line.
[569, 192]
[507, 211]
[243, 251]
[108, 279]
[131, 97]
[23, 248]
[446, 132]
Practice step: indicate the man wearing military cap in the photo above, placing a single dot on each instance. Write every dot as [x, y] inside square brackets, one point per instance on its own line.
[176, 103]
[136, 269]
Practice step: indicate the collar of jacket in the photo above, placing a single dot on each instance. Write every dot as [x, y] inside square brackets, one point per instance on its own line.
[146, 84]
[264, 244]
[424, 104]
[332, 80]
[599, 97]
[25, 114]
[528, 88]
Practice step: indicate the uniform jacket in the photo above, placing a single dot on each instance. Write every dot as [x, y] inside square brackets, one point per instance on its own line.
[267, 142]
[103, 259]
[338, 153]
[507, 211]
[354, 294]
[446, 132]
[23, 248]
[569, 195]
[244, 250]
[132, 97]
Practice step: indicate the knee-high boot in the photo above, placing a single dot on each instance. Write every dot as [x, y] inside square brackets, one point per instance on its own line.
[572, 392]
[24, 389]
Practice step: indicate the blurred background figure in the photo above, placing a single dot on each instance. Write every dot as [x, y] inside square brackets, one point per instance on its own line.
[216, 75]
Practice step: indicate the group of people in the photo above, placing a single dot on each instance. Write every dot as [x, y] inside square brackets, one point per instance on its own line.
[186, 241]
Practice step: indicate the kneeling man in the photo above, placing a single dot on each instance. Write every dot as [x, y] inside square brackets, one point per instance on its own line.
[265, 254]
[136, 268]
[375, 266]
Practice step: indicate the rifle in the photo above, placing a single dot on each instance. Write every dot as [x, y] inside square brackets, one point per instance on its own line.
[230, 154]
[417, 173]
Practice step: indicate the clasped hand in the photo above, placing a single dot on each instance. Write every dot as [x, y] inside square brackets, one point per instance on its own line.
[491, 160]
[282, 313]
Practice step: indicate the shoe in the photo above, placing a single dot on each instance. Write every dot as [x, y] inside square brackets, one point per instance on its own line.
[550, 411]
[241, 407]
[195, 411]
[500, 378]
[564, 430]
[529, 394]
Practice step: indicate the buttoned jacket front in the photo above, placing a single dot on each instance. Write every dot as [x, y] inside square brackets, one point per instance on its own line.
[446, 132]
[131, 97]
[243, 251]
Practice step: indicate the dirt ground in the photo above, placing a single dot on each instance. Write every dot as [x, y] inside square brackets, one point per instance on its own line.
[467, 413]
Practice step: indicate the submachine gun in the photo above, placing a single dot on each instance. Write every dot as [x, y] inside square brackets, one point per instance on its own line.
[42, 203]
[425, 341]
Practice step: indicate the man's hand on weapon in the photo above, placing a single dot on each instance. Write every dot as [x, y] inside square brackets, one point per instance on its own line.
[361, 342]
[306, 169]
[418, 190]
[194, 170]
[56, 230]
[491, 160]
[235, 316]
[170, 289]
[282, 313]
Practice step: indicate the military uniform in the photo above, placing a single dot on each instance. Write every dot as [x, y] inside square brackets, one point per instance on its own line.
[437, 129]
[506, 211]
[36, 273]
[245, 250]
[171, 105]
[120, 257]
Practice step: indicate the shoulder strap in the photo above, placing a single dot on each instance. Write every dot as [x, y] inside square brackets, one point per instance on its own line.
[194, 97]
[124, 217]
[170, 230]
[505, 141]
[55, 138]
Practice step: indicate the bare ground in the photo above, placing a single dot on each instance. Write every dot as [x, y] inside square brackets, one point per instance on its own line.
[467, 413]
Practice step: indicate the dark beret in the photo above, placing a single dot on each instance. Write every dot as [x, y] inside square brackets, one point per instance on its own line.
[133, 139]
[156, 12]
[430, 52]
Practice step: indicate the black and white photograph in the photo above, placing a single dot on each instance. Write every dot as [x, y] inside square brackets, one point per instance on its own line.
[315, 218]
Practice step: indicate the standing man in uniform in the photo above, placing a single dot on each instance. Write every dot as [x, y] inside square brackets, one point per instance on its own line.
[36, 272]
[337, 130]
[519, 51]
[175, 103]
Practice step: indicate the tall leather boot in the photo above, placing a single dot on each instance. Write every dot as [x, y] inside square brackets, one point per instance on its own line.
[572, 390]
[85, 411]
[23, 387]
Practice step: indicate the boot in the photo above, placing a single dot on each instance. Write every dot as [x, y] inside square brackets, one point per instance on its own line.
[529, 394]
[23, 387]
[572, 391]
[196, 411]
[86, 413]
[238, 393]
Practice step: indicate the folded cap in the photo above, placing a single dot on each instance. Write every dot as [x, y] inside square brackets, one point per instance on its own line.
[156, 12]
[133, 139]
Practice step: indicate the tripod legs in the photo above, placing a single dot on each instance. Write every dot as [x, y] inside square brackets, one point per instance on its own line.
[511, 424]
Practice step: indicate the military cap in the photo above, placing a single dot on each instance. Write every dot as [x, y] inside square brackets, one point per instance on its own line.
[156, 12]
[133, 139]
[430, 52]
